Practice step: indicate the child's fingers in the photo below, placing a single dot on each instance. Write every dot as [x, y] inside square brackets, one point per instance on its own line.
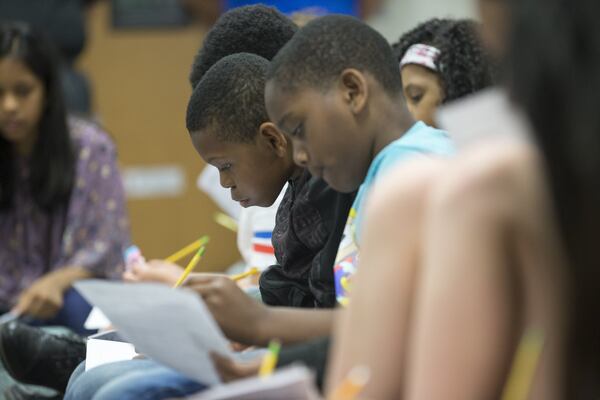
[139, 267]
[23, 305]
[34, 308]
[230, 369]
[218, 286]
[129, 276]
[203, 289]
[203, 279]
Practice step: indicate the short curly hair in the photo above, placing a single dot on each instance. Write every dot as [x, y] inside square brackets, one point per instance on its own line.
[255, 29]
[316, 56]
[229, 99]
[464, 66]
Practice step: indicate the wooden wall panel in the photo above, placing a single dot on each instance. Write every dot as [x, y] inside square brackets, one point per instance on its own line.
[140, 87]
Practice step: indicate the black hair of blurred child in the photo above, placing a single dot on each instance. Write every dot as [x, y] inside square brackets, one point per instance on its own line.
[52, 162]
[255, 29]
[463, 65]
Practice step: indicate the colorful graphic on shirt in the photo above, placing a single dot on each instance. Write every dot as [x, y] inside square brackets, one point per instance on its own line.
[419, 141]
[261, 242]
[346, 260]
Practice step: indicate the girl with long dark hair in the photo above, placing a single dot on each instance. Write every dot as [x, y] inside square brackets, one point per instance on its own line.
[62, 207]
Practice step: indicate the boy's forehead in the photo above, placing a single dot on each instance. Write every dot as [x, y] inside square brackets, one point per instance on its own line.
[277, 100]
[283, 100]
[209, 142]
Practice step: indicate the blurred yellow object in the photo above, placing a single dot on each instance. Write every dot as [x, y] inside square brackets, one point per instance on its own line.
[226, 221]
[252, 271]
[187, 250]
[524, 366]
[190, 267]
[270, 359]
[352, 385]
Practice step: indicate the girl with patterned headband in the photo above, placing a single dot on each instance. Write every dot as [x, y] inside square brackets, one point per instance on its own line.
[441, 60]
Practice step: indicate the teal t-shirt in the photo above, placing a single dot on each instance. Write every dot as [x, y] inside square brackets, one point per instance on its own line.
[419, 140]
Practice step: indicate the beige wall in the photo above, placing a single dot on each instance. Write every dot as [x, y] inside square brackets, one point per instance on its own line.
[140, 89]
[399, 16]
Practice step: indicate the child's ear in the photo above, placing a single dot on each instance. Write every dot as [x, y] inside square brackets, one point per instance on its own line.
[270, 136]
[355, 89]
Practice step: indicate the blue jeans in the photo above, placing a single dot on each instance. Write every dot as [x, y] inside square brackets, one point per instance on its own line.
[129, 380]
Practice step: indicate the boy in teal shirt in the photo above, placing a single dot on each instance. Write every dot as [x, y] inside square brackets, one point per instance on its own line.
[335, 90]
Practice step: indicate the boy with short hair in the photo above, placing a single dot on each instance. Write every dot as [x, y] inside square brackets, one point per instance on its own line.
[230, 129]
[307, 231]
[334, 88]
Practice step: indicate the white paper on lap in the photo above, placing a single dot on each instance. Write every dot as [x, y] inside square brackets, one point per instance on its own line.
[171, 326]
[96, 320]
[107, 347]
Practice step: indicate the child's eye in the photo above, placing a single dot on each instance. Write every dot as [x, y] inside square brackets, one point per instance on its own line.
[224, 167]
[416, 99]
[22, 90]
[299, 131]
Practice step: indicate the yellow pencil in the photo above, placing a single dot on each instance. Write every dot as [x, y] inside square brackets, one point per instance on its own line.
[226, 221]
[524, 366]
[190, 267]
[252, 271]
[269, 360]
[352, 385]
[187, 250]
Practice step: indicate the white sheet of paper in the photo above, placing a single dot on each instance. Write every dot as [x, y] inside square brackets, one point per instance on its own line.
[171, 326]
[96, 320]
[107, 347]
[296, 382]
[487, 114]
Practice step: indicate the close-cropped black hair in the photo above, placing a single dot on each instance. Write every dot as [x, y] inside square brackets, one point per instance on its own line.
[554, 74]
[326, 46]
[255, 29]
[230, 98]
[463, 65]
[52, 162]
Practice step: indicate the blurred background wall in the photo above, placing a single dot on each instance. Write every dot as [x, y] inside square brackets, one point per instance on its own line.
[140, 94]
[394, 17]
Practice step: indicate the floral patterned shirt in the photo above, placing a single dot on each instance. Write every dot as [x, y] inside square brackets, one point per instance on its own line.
[90, 231]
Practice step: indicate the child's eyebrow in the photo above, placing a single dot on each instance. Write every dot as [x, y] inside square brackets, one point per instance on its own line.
[213, 159]
[283, 120]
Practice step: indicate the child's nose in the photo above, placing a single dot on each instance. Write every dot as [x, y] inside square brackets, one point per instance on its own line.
[9, 103]
[226, 181]
[301, 157]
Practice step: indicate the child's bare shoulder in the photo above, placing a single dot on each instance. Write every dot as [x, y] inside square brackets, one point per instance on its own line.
[493, 177]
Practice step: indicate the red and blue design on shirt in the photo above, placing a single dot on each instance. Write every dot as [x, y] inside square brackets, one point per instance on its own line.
[261, 242]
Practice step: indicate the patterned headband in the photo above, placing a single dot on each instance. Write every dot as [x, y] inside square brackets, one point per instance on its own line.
[421, 54]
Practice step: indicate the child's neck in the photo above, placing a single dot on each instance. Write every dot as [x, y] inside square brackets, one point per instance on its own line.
[296, 173]
[391, 122]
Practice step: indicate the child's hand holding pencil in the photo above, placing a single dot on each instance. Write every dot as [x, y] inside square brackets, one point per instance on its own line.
[238, 315]
[164, 271]
[153, 271]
